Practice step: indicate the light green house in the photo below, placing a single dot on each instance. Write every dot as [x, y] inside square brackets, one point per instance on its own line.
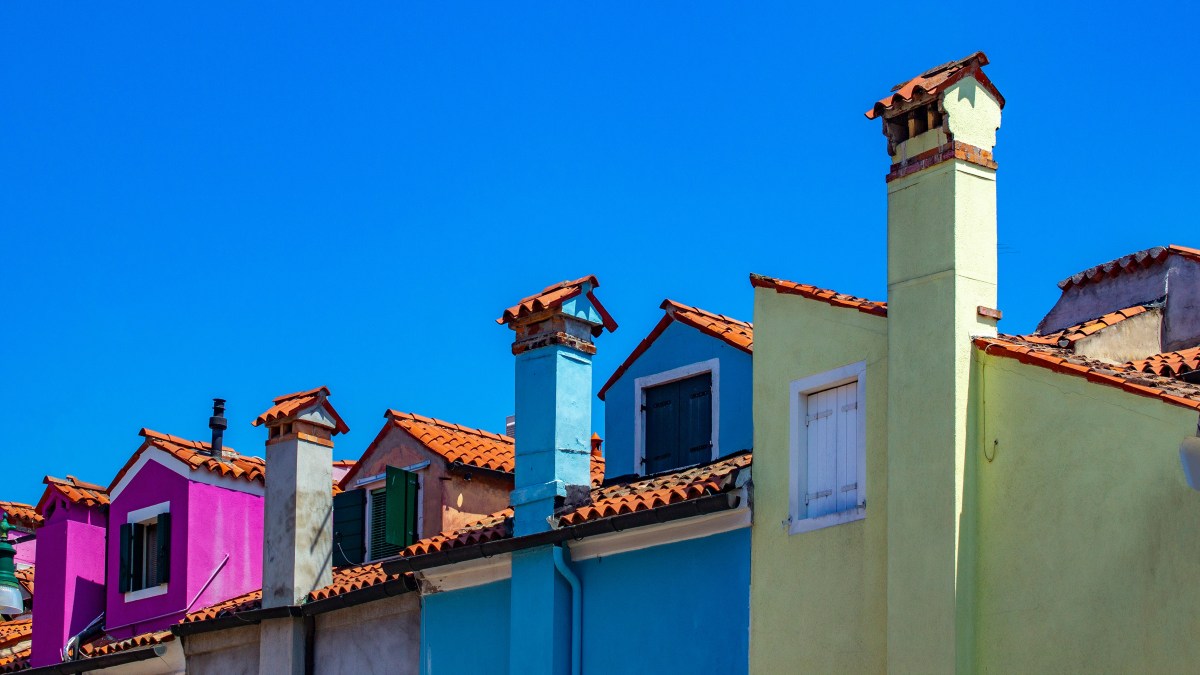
[931, 497]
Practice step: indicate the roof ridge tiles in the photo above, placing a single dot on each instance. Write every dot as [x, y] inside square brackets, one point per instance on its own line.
[453, 426]
[301, 394]
[826, 295]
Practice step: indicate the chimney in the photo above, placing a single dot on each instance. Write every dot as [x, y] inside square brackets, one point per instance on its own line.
[510, 426]
[553, 348]
[218, 424]
[297, 539]
[941, 128]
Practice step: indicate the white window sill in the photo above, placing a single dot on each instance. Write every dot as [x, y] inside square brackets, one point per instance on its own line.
[151, 592]
[829, 520]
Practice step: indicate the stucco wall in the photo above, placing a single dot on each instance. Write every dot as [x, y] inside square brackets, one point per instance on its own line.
[1087, 546]
[679, 345]
[818, 599]
[222, 523]
[69, 582]
[678, 608]
[467, 631]
[226, 652]
[153, 484]
[449, 501]
[375, 637]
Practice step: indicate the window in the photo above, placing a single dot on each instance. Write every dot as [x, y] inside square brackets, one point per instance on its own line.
[677, 418]
[146, 552]
[828, 449]
[380, 519]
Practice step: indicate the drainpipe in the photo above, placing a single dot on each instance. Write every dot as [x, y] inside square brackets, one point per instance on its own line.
[576, 610]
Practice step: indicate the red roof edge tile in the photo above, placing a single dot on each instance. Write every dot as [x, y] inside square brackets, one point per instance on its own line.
[936, 79]
[1026, 355]
[289, 404]
[1127, 263]
[554, 296]
[824, 295]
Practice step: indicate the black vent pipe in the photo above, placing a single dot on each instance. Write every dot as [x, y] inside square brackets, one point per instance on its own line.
[218, 424]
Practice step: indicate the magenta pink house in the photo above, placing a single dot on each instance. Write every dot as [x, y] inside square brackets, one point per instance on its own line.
[179, 528]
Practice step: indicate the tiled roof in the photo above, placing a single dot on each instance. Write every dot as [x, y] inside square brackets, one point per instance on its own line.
[344, 463]
[288, 405]
[824, 295]
[934, 80]
[1067, 362]
[1169, 364]
[738, 334]
[195, 455]
[242, 603]
[456, 443]
[25, 578]
[21, 515]
[102, 648]
[355, 578]
[15, 639]
[552, 297]
[76, 491]
[1072, 334]
[612, 500]
[1128, 263]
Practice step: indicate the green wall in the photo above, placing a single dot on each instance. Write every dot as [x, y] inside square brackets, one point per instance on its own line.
[818, 599]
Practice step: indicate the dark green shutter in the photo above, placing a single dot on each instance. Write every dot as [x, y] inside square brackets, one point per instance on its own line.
[400, 528]
[662, 427]
[125, 575]
[163, 548]
[137, 552]
[695, 420]
[349, 514]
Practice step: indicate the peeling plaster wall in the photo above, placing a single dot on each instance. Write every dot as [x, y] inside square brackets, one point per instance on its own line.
[679, 345]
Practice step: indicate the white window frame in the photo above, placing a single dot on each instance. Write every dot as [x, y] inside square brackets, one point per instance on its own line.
[641, 384]
[376, 482]
[144, 516]
[798, 521]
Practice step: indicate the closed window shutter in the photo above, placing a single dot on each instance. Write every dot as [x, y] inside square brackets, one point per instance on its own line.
[832, 450]
[377, 541]
[163, 549]
[401, 486]
[125, 574]
[662, 427]
[349, 518]
[695, 420]
[847, 447]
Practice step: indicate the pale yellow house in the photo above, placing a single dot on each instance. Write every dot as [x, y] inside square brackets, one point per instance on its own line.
[931, 497]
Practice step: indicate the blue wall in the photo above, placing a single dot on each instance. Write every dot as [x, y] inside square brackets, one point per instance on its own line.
[466, 631]
[679, 345]
[679, 608]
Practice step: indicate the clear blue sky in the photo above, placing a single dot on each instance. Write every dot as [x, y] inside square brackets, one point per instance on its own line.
[216, 199]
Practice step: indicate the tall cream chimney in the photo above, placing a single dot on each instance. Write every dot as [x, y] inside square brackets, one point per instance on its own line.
[941, 128]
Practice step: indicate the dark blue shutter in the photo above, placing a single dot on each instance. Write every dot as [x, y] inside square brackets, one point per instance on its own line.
[349, 516]
[662, 427]
[163, 549]
[695, 420]
[125, 574]
[400, 524]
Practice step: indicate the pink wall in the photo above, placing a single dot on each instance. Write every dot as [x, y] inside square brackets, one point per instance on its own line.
[223, 523]
[207, 523]
[69, 583]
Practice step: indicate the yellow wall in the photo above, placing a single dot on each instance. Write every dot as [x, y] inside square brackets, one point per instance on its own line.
[1088, 558]
[818, 599]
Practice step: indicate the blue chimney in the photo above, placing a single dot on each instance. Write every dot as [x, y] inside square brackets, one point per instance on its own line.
[554, 347]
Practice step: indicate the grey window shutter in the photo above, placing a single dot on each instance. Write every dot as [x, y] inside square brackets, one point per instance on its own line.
[163, 548]
[125, 575]
[349, 516]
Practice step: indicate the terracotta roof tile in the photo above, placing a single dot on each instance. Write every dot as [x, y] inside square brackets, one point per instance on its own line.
[241, 603]
[457, 443]
[738, 334]
[21, 515]
[15, 631]
[15, 637]
[195, 455]
[350, 579]
[1067, 362]
[489, 528]
[1067, 337]
[1169, 364]
[25, 578]
[1128, 263]
[289, 404]
[552, 297]
[934, 80]
[104, 648]
[16, 661]
[76, 491]
[824, 295]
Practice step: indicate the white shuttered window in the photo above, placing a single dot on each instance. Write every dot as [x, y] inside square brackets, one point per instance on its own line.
[828, 449]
